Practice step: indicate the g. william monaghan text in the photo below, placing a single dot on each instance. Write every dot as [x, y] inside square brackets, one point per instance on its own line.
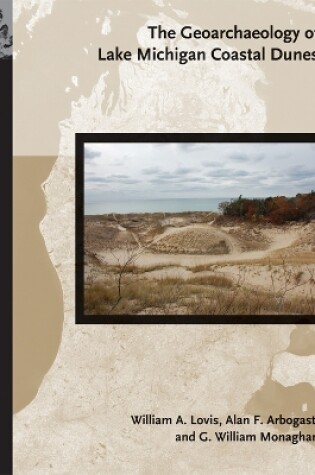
[289, 424]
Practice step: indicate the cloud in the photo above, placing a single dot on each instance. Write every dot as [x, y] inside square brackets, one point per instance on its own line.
[212, 163]
[151, 171]
[298, 172]
[227, 173]
[243, 157]
[95, 179]
[117, 179]
[130, 181]
[240, 157]
[162, 180]
[89, 153]
[167, 176]
[189, 147]
[196, 188]
[184, 170]
[119, 176]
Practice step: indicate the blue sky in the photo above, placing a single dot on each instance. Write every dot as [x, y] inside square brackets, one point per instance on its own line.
[196, 170]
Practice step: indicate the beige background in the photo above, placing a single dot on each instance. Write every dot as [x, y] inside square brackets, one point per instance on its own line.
[88, 385]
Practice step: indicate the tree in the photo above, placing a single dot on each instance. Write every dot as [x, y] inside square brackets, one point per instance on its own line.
[124, 262]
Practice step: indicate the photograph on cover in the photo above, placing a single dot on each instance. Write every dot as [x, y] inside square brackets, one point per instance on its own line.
[196, 228]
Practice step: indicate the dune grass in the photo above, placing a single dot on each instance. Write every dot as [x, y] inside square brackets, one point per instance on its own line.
[206, 295]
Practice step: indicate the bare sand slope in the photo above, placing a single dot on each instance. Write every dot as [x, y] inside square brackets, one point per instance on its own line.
[278, 239]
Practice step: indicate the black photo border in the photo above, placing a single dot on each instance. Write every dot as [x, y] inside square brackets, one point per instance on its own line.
[83, 138]
[6, 258]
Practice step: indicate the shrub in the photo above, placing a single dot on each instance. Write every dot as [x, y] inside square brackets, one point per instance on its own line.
[276, 210]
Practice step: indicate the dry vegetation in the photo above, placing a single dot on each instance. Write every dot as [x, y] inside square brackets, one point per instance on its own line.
[186, 263]
[206, 295]
[191, 241]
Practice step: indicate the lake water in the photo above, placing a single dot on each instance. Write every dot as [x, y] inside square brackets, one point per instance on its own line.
[153, 206]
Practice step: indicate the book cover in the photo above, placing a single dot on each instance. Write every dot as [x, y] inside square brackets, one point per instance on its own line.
[163, 220]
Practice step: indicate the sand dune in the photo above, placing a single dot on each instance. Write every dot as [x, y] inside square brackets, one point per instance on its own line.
[191, 264]
[279, 239]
